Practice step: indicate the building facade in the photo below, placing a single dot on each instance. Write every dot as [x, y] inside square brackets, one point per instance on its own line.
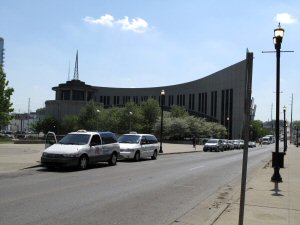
[219, 97]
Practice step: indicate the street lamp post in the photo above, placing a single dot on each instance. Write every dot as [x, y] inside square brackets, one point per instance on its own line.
[228, 128]
[278, 35]
[284, 130]
[162, 95]
[130, 115]
[98, 112]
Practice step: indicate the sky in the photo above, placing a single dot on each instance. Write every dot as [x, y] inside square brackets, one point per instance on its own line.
[149, 43]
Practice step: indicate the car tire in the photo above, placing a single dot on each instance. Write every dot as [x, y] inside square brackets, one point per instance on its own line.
[154, 156]
[137, 156]
[83, 162]
[113, 160]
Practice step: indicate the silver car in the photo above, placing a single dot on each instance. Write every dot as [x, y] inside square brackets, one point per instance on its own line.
[137, 146]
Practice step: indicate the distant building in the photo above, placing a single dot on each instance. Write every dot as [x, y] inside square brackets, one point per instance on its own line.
[22, 122]
[219, 97]
[1, 51]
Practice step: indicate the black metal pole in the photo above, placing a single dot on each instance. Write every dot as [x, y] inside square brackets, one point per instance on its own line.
[284, 132]
[276, 176]
[161, 123]
[246, 135]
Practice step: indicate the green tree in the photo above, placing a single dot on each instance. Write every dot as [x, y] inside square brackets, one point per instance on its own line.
[88, 118]
[150, 112]
[47, 124]
[69, 124]
[296, 123]
[178, 111]
[216, 130]
[257, 130]
[5, 104]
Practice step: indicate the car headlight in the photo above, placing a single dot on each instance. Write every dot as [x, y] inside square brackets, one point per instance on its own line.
[45, 154]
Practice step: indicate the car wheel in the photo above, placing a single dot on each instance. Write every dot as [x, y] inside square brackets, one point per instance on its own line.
[113, 160]
[137, 156]
[83, 162]
[154, 155]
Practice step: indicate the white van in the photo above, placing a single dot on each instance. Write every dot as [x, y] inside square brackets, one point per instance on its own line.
[137, 146]
[80, 149]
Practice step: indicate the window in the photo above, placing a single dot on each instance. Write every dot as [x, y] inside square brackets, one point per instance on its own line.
[151, 139]
[108, 138]
[78, 95]
[65, 95]
[96, 140]
[213, 104]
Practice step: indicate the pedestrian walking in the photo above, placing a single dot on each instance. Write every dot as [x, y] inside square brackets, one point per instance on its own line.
[260, 142]
[194, 142]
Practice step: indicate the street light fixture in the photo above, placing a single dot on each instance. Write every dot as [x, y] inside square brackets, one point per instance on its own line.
[278, 36]
[284, 130]
[162, 96]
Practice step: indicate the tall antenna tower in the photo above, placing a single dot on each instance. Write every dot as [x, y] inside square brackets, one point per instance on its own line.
[76, 73]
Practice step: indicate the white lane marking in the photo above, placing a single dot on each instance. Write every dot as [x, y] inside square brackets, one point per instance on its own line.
[195, 168]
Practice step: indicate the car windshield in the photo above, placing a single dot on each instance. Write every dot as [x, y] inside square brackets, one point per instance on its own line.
[75, 139]
[133, 139]
[212, 141]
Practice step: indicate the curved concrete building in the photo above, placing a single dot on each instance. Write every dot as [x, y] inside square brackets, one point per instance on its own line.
[218, 97]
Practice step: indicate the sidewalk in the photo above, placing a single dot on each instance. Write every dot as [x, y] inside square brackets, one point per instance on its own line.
[15, 157]
[262, 205]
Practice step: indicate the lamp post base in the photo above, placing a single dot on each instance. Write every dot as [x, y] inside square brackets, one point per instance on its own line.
[276, 176]
[160, 150]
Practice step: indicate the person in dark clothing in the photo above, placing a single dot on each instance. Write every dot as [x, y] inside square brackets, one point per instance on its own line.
[194, 142]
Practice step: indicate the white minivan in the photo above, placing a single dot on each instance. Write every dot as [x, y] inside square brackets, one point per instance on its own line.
[80, 149]
[137, 146]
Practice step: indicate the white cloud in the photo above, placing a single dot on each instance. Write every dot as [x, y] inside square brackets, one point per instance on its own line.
[285, 18]
[106, 20]
[137, 25]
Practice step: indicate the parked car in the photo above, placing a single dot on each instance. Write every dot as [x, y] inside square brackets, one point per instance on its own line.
[242, 144]
[226, 145]
[81, 149]
[252, 144]
[213, 145]
[231, 144]
[237, 144]
[136, 146]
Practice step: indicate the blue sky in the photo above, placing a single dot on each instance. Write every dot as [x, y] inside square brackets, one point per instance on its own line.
[126, 43]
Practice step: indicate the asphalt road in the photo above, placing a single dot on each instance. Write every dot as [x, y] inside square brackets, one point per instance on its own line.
[147, 192]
